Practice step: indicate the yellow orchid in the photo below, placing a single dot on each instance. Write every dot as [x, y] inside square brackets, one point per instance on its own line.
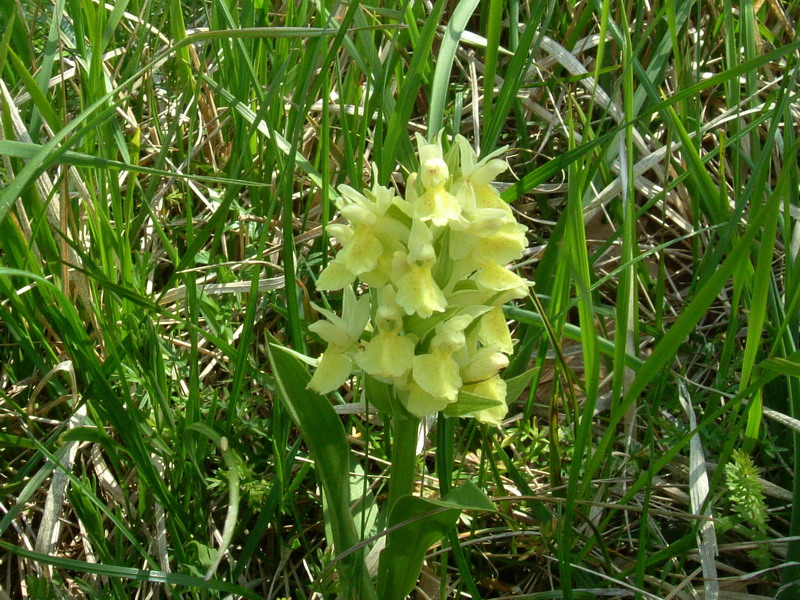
[494, 388]
[474, 187]
[437, 260]
[436, 204]
[503, 246]
[369, 240]
[494, 330]
[419, 402]
[437, 372]
[417, 291]
[335, 276]
[333, 369]
[342, 335]
[390, 353]
[494, 277]
[484, 363]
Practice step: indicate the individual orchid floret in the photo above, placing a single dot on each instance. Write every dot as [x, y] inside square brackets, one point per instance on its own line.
[493, 330]
[333, 369]
[335, 276]
[505, 245]
[417, 291]
[437, 372]
[436, 204]
[368, 241]
[483, 364]
[476, 177]
[390, 353]
[494, 389]
[419, 402]
[342, 335]
[420, 242]
[496, 278]
[361, 254]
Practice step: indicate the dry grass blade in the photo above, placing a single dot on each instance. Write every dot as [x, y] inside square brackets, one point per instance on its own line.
[49, 527]
[698, 492]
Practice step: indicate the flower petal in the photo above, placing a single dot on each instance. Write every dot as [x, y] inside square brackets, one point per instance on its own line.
[494, 277]
[483, 364]
[494, 330]
[389, 354]
[437, 374]
[361, 254]
[332, 371]
[502, 247]
[420, 403]
[438, 206]
[494, 388]
[334, 277]
[331, 333]
[418, 293]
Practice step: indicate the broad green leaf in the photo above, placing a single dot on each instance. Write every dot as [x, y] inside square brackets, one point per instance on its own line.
[415, 525]
[468, 403]
[516, 385]
[325, 437]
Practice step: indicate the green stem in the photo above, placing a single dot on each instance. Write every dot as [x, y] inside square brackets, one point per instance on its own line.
[404, 458]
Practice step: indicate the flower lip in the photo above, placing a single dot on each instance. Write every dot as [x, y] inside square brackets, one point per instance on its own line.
[417, 292]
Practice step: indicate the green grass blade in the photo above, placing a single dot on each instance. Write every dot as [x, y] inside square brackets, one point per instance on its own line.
[444, 63]
[512, 78]
[151, 576]
[664, 351]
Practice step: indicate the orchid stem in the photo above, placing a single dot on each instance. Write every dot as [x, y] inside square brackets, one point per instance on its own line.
[404, 458]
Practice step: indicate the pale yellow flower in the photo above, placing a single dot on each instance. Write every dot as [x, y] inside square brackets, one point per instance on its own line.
[419, 402]
[437, 372]
[342, 335]
[494, 388]
[474, 185]
[443, 248]
[417, 292]
[335, 277]
[503, 246]
[390, 353]
[333, 368]
[494, 330]
[484, 363]
[497, 278]
[369, 240]
[436, 204]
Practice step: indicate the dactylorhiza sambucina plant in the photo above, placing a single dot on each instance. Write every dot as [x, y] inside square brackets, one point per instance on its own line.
[425, 332]
[429, 321]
